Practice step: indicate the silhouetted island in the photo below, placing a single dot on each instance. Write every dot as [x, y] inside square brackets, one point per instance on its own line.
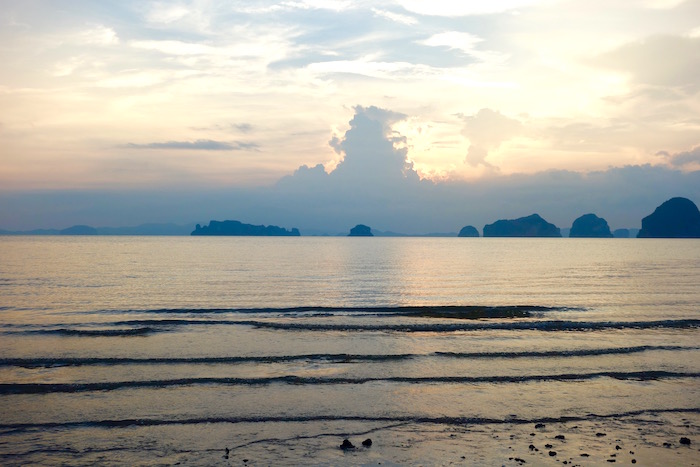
[590, 226]
[236, 228]
[468, 231]
[79, 230]
[530, 226]
[361, 230]
[621, 233]
[675, 218]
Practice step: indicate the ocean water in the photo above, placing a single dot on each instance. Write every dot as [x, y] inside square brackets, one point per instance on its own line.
[272, 351]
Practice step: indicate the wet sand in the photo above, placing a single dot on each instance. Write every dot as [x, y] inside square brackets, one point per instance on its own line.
[606, 442]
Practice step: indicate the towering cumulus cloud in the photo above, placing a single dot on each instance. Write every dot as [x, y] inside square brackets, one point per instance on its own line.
[374, 158]
[374, 182]
[370, 149]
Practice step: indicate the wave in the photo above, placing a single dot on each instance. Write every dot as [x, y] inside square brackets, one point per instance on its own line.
[46, 388]
[140, 327]
[138, 331]
[40, 362]
[460, 421]
[107, 361]
[565, 353]
[539, 325]
[428, 311]
[557, 325]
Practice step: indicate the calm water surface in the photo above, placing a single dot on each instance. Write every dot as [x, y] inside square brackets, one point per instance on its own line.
[148, 350]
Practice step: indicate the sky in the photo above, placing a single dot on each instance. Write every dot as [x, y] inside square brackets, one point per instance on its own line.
[407, 115]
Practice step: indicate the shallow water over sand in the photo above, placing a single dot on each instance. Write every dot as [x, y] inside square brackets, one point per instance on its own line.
[172, 349]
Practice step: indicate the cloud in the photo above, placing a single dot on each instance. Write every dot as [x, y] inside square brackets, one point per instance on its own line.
[230, 127]
[684, 158]
[161, 12]
[374, 157]
[486, 130]
[662, 60]
[242, 127]
[200, 144]
[98, 35]
[395, 17]
[335, 5]
[463, 8]
[370, 148]
[454, 40]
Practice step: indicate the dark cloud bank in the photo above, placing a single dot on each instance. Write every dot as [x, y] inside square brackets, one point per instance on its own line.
[375, 184]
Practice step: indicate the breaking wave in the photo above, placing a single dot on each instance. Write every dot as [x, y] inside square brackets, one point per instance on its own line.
[148, 326]
[336, 358]
[46, 388]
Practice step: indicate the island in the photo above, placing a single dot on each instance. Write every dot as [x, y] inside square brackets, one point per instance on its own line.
[530, 226]
[79, 230]
[237, 228]
[361, 230]
[675, 218]
[590, 226]
[468, 231]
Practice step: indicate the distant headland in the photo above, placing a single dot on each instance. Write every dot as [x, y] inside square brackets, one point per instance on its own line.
[237, 228]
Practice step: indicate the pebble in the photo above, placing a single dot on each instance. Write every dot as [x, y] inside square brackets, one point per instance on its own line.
[347, 445]
[539, 425]
[599, 435]
[367, 443]
[560, 437]
[685, 441]
[552, 453]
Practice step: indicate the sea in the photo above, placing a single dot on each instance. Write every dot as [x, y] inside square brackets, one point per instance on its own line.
[417, 351]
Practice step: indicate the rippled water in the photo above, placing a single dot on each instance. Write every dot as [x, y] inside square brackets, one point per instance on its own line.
[163, 350]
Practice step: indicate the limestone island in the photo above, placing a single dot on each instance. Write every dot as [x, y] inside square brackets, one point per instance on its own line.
[675, 218]
[236, 228]
[468, 231]
[530, 226]
[361, 230]
[79, 230]
[590, 226]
